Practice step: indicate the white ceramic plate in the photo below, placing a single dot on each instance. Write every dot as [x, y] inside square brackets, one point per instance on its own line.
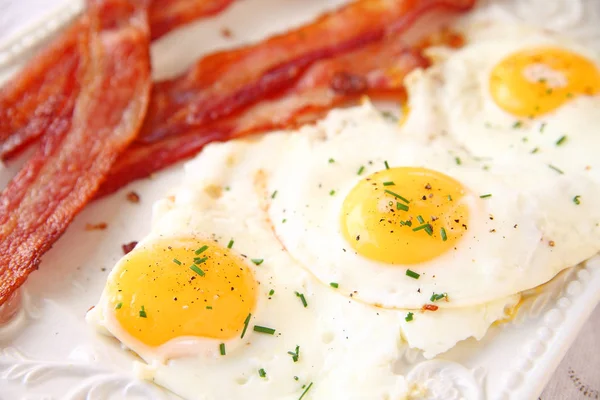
[49, 352]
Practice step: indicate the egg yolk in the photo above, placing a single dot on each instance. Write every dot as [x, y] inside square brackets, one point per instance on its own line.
[184, 287]
[536, 81]
[404, 215]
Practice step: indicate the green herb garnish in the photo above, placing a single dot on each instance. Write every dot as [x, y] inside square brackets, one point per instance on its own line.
[295, 354]
[264, 329]
[412, 274]
[485, 196]
[436, 297]
[334, 285]
[302, 298]
[262, 373]
[230, 244]
[443, 234]
[197, 270]
[305, 391]
[143, 313]
[409, 317]
[556, 169]
[360, 170]
[176, 261]
[561, 140]
[396, 195]
[222, 349]
[257, 261]
[246, 321]
[201, 250]
[576, 200]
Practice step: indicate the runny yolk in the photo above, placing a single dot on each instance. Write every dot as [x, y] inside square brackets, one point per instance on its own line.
[405, 215]
[157, 294]
[536, 81]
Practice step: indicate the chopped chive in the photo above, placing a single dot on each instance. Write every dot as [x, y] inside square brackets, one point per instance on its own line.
[575, 200]
[230, 244]
[396, 195]
[295, 354]
[412, 274]
[274, 194]
[246, 321]
[302, 298]
[201, 249]
[197, 270]
[143, 313]
[271, 292]
[209, 307]
[424, 226]
[429, 230]
[485, 196]
[409, 317]
[436, 297]
[264, 329]
[561, 140]
[176, 261]
[443, 233]
[400, 206]
[283, 221]
[542, 127]
[262, 373]
[458, 160]
[556, 169]
[305, 391]
[517, 124]
[222, 349]
[388, 183]
[257, 261]
[407, 223]
[295, 378]
[118, 306]
[420, 219]
[199, 260]
[331, 161]
[332, 192]
[361, 170]
[535, 150]
[334, 285]
[387, 166]
[449, 198]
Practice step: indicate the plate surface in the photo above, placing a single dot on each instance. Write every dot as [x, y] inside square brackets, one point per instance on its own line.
[49, 352]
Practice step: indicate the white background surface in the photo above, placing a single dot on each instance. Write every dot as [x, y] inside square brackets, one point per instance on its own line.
[578, 375]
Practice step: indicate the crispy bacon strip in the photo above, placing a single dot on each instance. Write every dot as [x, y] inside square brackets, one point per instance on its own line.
[166, 15]
[226, 82]
[78, 150]
[377, 70]
[48, 84]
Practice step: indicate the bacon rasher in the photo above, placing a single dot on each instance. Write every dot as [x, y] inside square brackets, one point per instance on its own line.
[81, 144]
[225, 82]
[377, 70]
[30, 100]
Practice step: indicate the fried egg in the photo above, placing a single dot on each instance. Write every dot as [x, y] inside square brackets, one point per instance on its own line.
[219, 302]
[400, 224]
[513, 89]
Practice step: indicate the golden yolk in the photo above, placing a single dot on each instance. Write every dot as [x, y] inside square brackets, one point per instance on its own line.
[165, 290]
[404, 215]
[536, 81]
